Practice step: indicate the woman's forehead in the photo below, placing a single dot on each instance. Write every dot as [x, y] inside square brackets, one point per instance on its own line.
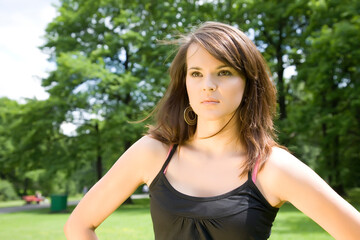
[198, 56]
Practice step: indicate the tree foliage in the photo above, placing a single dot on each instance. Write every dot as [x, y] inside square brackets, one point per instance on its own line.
[330, 79]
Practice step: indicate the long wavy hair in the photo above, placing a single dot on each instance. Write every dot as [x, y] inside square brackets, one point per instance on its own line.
[254, 116]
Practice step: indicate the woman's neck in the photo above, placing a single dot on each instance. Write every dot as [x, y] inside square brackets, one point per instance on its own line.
[217, 137]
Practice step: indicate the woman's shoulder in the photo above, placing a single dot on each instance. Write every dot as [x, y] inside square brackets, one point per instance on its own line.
[281, 160]
[150, 144]
[151, 154]
[149, 147]
[281, 170]
[281, 163]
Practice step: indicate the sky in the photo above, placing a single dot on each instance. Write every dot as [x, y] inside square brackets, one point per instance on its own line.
[22, 64]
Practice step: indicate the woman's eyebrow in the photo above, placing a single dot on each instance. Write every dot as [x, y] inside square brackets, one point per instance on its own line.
[199, 68]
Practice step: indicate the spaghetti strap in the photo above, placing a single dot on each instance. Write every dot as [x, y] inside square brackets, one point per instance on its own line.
[255, 170]
[168, 158]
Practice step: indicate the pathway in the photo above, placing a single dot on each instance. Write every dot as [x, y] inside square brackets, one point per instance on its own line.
[28, 207]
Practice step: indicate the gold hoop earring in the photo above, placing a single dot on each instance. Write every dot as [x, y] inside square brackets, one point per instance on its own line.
[190, 116]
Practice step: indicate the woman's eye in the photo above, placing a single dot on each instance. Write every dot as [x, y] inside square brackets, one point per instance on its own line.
[225, 73]
[196, 74]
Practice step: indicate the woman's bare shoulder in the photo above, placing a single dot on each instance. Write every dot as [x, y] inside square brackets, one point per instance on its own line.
[283, 174]
[150, 144]
[148, 148]
[151, 154]
[281, 160]
[280, 163]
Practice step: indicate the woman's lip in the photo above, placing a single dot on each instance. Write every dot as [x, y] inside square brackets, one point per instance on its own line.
[210, 101]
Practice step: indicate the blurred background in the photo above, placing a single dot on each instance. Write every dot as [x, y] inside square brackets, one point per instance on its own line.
[100, 65]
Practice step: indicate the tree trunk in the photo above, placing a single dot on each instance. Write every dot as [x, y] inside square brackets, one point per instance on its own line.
[99, 167]
[337, 183]
[281, 91]
[280, 73]
[26, 186]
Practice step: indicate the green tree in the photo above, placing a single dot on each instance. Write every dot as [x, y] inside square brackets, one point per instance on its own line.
[278, 29]
[111, 68]
[8, 111]
[32, 145]
[330, 76]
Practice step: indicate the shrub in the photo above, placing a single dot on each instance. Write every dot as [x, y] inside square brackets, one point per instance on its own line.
[7, 191]
[354, 196]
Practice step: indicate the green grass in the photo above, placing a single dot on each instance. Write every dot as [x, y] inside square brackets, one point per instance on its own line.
[13, 203]
[37, 224]
[133, 222]
[128, 222]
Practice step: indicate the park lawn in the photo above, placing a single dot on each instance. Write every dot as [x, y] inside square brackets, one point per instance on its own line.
[12, 203]
[133, 222]
[128, 222]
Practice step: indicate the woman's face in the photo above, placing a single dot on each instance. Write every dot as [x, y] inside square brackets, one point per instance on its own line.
[215, 90]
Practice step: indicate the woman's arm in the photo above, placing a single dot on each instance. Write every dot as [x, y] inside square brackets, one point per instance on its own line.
[293, 181]
[135, 167]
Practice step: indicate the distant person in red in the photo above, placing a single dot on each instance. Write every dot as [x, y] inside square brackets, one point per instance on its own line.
[39, 196]
[211, 162]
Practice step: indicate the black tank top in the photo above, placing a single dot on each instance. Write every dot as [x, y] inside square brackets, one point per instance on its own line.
[240, 214]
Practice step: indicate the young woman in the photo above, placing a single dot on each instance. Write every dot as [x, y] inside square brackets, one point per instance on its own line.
[212, 165]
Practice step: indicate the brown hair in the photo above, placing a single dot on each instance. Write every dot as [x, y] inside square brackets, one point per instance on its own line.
[257, 109]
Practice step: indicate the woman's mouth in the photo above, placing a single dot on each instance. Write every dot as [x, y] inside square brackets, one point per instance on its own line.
[210, 101]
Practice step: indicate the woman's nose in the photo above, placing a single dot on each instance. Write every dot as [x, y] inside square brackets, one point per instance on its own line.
[209, 84]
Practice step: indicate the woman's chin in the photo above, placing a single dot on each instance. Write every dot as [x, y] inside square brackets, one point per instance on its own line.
[214, 118]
